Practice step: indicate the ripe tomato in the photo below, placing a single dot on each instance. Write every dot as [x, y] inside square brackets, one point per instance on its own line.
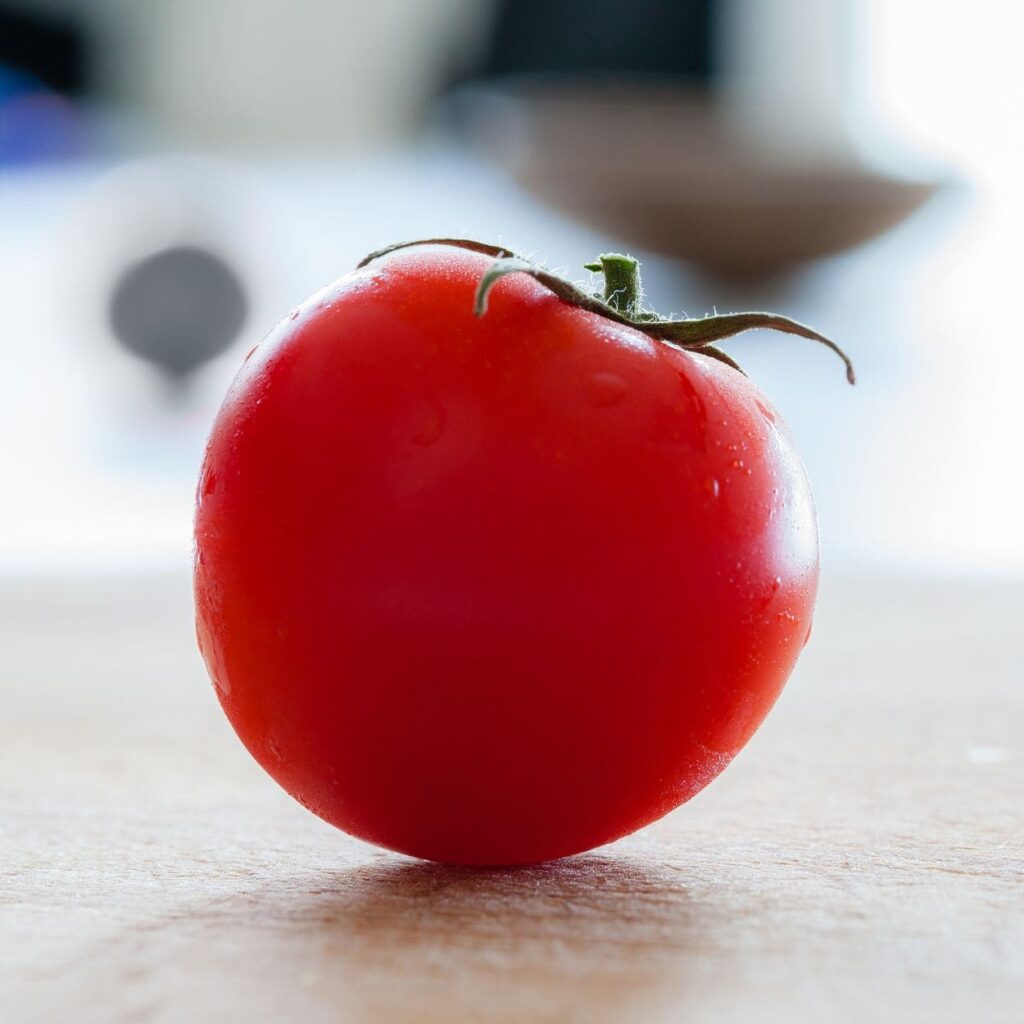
[493, 590]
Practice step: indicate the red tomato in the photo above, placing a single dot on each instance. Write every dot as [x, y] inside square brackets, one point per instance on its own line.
[493, 590]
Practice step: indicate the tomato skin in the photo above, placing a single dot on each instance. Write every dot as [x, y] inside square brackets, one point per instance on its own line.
[499, 589]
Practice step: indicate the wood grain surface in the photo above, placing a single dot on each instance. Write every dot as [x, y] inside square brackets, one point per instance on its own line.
[863, 859]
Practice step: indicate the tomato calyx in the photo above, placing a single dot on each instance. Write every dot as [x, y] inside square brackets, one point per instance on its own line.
[622, 302]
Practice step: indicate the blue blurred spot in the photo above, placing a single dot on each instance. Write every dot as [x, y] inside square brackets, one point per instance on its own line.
[36, 124]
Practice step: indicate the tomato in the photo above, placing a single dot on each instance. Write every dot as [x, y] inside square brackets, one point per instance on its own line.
[494, 589]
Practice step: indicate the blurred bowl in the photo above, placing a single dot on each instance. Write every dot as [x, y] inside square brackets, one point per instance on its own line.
[663, 168]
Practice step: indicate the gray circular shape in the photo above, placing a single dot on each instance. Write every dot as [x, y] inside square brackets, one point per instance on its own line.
[178, 308]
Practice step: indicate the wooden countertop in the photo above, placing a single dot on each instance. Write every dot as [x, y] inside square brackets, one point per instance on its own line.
[863, 860]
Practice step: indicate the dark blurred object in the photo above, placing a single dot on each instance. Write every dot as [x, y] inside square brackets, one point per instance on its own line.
[178, 309]
[46, 46]
[584, 37]
[657, 166]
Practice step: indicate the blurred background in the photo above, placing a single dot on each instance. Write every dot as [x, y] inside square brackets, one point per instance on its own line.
[176, 175]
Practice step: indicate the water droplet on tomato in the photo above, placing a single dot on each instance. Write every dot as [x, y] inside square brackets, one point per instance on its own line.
[606, 389]
[248, 355]
[294, 315]
[209, 483]
[711, 485]
[692, 398]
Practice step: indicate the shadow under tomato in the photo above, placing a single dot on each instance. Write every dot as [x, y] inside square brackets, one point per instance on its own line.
[401, 940]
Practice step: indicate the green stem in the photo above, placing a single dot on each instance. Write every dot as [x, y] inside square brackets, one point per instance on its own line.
[622, 302]
[622, 289]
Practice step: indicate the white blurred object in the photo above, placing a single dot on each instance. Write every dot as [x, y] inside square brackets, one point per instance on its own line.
[320, 74]
[147, 207]
[101, 466]
[788, 74]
